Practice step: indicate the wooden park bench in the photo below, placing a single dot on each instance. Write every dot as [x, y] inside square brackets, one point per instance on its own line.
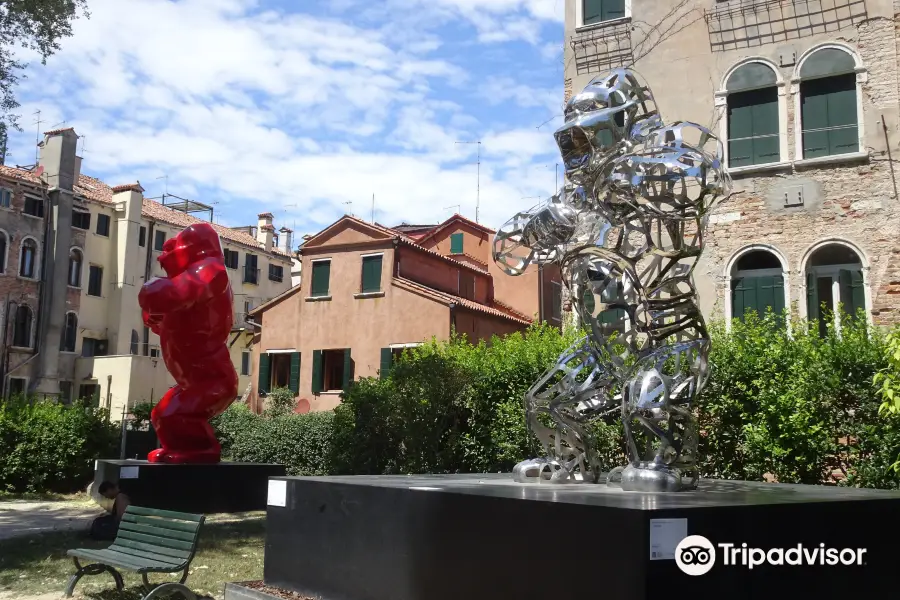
[148, 541]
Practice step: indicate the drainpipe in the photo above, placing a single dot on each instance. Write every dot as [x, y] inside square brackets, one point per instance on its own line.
[452, 316]
[149, 261]
[540, 293]
[396, 257]
[109, 398]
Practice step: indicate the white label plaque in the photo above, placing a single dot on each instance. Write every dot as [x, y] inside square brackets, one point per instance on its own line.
[129, 472]
[664, 537]
[277, 492]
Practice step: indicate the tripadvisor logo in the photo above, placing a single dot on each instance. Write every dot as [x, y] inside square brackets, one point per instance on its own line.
[696, 555]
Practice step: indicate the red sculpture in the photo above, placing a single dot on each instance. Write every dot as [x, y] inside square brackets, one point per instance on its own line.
[192, 312]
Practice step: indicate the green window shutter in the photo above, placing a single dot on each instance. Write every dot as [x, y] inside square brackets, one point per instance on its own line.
[587, 299]
[853, 296]
[456, 243]
[317, 372]
[814, 112]
[348, 370]
[387, 361]
[371, 274]
[737, 299]
[842, 115]
[778, 305]
[295, 373]
[745, 296]
[321, 274]
[812, 298]
[753, 127]
[264, 373]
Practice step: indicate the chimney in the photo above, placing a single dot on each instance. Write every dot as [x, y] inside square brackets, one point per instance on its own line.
[287, 236]
[57, 156]
[266, 231]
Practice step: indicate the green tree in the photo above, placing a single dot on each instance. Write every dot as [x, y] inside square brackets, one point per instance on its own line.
[37, 25]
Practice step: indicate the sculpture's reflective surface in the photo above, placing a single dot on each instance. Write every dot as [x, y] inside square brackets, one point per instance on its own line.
[626, 230]
[192, 312]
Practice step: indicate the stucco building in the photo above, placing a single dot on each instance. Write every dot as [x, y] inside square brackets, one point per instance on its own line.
[75, 253]
[370, 291]
[804, 96]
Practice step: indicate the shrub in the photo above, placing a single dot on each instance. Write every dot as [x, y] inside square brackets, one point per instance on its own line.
[232, 424]
[280, 401]
[51, 447]
[140, 415]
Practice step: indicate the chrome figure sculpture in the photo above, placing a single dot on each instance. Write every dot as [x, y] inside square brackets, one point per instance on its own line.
[626, 231]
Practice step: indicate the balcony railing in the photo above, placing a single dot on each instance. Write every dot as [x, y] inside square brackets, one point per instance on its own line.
[251, 275]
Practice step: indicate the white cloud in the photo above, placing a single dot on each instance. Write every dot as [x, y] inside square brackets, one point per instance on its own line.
[301, 114]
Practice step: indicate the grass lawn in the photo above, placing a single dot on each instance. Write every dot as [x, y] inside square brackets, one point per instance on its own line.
[230, 550]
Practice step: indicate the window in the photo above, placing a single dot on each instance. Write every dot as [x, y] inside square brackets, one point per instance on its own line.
[159, 239]
[28, 259]
[22, 327]
[556, 301]
[251, 271]
[245, 362]
[4, 245]
[332, 370]
[276, 273]
[17, 386]
[834, 277]
[75, 260]
[93, 347]
[757, 285]
[231, 259]
[753, 125]
[5, 197]
[321, 274]
[830, 124]
[81, 219]
[69, 333]
[95, 281]
[598, 11]
[142, 236]
[611, 319]
[456, 243]
[280, 369]
[103, 225]
[90, 392]
[65, 392]
[145, 347]
[34, 206]
[371, 274]
[135, 342]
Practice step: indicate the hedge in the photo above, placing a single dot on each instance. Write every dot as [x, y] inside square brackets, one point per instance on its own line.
[50, 447]
[796, 407]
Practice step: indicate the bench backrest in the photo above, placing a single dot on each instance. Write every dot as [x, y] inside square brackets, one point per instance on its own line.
[154, 533]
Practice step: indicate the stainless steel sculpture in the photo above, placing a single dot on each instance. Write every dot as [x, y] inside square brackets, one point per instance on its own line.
[626, 231]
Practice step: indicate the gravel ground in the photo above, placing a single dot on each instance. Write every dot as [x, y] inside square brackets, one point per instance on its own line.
[19, 518]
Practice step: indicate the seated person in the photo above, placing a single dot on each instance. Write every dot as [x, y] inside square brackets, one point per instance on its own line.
[106, 526]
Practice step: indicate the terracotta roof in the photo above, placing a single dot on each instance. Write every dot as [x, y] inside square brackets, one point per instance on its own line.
[447, 299]
[509, 309]
[128, 187]
[282, 296]
[94, 189]
[412, 244]
[264, 215]
[457, 218]
[57, 131]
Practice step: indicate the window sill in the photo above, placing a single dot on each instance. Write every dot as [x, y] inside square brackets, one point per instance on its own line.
[72, 352]
[256, 283]
[759, 168]
[331, 393]
[31, 216]
[74, 287]
[602, 24]
[100, 235]
[21, 349]
[364, 295]
[317, 298]
[93, 296]
[23, 278]
[832, 160]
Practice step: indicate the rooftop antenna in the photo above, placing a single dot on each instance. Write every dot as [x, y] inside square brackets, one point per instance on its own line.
[82, 138]
[350, 203]
[456, 206]
[478, 189]
[37, 135]
[373, 208]
[166, 177]
[287, 206]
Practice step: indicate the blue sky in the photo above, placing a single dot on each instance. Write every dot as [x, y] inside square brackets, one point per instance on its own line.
[301, 107]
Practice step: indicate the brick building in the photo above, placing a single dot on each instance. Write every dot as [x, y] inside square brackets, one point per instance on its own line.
[804, 96]
[75, 253]
[370, 291]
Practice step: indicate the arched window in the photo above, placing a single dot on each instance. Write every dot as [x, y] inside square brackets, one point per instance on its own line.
[76, 258]
[757, 284]
[4, 247]
[28, 258]
[69, 333]
[753, 120]
[828, 112]
[22, 327]
[135, 342]
[834, 277]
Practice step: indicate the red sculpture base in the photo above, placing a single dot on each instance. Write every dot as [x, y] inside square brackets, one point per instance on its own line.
[161, 455]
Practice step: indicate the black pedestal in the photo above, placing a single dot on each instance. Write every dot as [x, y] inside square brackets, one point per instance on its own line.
[219, 488]
[480, 537]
